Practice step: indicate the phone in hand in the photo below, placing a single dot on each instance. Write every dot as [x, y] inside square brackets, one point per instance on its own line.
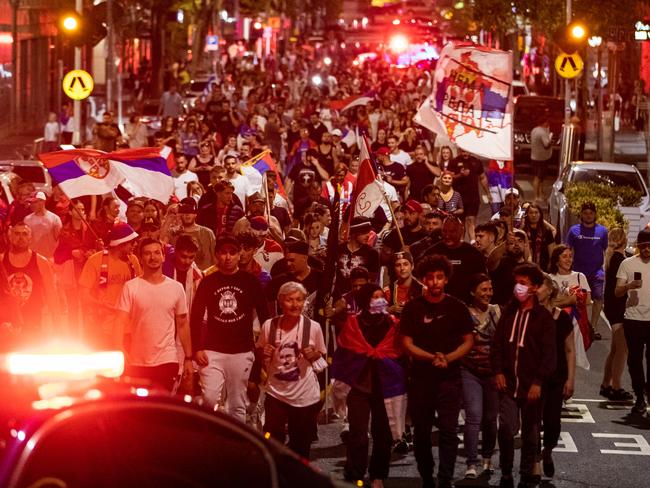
[637, 276]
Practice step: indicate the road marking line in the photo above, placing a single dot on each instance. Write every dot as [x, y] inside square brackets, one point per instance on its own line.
[577, 413]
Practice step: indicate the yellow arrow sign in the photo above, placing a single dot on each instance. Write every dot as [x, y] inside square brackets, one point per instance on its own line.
[78, 84]
[569, 65]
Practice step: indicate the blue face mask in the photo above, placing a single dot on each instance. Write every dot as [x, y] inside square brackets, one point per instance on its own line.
[378, 305]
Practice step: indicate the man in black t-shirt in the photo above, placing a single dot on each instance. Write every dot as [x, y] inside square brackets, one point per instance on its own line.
[303, 175]
[436, 332]
[224, 349]
[354, 253]
[420, 174]
[393, 173]
[465, 259]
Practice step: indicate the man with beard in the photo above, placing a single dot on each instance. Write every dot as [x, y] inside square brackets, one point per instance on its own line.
[182, 176]
[465, 259]
[221, 214]
[502, 278]
[354, 253]
[203, 236]
[432, 227]
[486, 237]
[239, 182]
[152, 312]
[436, 332]
[393, 173]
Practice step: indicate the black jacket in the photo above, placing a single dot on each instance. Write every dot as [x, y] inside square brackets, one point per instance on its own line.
[526, 360]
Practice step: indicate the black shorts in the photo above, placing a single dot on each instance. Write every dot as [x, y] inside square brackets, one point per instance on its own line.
[470, 208]
[539, 168]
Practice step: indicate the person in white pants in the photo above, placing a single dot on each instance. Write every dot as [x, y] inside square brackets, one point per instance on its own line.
[224, 349]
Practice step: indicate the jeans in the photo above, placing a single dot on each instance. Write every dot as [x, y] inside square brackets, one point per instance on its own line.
[552, 398]
[232, 372]
[361, 408]
[426, 398]
[300, 422]
[637, 336]
[481, 402]
[509, 411]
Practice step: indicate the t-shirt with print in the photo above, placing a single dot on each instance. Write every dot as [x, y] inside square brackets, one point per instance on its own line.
[466, 261]
[436, 327]
[291, 377]
[230, 301]
[152, 309]
[119, 272]
[589, 245]
[574, 279]
[302, 176]
[365, 256]
[638, 301]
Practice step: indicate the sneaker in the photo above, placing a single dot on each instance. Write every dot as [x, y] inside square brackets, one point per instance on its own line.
[408, 434]
[640, 406]
[470, 472]
[345, 433]
[487, 466]
[401, 447]
[621, 395]
[606, 391]
[547, 463]
[507, 482]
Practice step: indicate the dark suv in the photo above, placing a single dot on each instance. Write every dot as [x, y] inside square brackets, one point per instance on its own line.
[529, 112]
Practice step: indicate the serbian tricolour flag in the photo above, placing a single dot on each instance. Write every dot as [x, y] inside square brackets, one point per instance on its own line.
[369, 191]
[254, 170]
[147, 171]
[80, 172]
[353, 101]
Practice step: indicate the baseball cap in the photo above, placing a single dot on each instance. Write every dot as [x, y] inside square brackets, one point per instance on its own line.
[259, 225]
[256, 197]
[226, 239]
[643, 237]
[403, 255]
[512, 191]
[413, 206]
[382, 151]
[337, 132]
[298, 247]
[360, 225]
[39, 195]
[187, 206]
[588, 206]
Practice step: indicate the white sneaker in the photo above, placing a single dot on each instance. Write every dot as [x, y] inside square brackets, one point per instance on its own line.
[487, 465]
[471, 473]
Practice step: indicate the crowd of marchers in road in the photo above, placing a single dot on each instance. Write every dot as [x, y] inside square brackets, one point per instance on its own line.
[273, 296]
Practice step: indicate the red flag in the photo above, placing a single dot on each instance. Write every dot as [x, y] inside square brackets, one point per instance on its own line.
[368, 192]
[349, 102]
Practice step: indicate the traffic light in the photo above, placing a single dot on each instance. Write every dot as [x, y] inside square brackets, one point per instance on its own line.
[571, 37]
[86, 29]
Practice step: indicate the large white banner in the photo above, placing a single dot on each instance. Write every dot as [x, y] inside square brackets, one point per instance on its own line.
[471, 102]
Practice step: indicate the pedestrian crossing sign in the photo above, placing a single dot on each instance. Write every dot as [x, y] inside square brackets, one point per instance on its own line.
[78, 84]
[569, 65]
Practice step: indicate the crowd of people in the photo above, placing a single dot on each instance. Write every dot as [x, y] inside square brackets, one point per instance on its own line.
[429, 310]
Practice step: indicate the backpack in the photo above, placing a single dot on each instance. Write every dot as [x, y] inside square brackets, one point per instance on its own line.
[306, 329]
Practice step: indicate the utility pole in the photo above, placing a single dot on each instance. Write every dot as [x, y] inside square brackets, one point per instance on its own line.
[110, 58]
[15, 5]
[567, 84]
[76, 107]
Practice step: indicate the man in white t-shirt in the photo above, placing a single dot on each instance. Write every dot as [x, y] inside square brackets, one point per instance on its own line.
[633, 279]
[182, 176]
[397, 155]
[45, 225]
[153, 310]
[242, 186]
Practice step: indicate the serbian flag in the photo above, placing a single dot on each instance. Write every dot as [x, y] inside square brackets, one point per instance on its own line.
[254, 170]
[369, 191]
[80, 172]
[147, 171]
[349, 102]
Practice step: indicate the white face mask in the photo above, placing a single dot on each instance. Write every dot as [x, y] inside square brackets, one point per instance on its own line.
[521, 292]
[378, 305]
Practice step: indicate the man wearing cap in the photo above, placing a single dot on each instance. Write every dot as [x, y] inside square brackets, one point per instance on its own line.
[405, 286]
[223, 349]
[220, 215]
[394, 173]
[45, 225]
[502, 278]
[182, 176]
[101, 281]
[633, 279]
[356, 252]
[256, 207]
[511, 202]
[588, 240]
[268, 251]
[412, 230]
[135, 214]
[203, 236]
[298, 270]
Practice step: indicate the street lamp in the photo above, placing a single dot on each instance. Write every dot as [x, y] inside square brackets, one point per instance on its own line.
[70, 23]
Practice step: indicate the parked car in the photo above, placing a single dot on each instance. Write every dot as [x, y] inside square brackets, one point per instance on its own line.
[519, 88]
[150, 116]
[529, 110]
[29, 170]
[199, 88]
[612, 174]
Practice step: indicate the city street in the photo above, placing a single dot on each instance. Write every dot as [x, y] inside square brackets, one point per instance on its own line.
[599, 439]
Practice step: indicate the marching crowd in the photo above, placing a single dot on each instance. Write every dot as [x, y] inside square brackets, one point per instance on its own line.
[404, 318]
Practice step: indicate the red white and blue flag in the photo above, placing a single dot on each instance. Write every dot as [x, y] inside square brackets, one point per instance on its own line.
[146, 171]
[353, 101]
[254, 170]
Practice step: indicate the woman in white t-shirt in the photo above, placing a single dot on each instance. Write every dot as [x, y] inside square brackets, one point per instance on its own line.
[573, 285]
[293, 349]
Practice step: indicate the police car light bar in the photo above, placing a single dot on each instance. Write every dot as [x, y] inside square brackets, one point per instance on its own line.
[66, 366]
